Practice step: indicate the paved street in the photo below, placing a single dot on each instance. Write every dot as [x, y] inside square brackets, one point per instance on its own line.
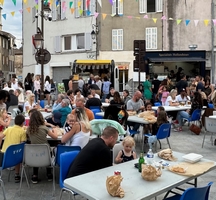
[185, 142]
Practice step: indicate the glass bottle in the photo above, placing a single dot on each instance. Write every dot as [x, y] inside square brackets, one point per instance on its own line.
[141, 161]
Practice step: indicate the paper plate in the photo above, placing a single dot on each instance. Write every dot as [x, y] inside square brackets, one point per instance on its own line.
[192, 157]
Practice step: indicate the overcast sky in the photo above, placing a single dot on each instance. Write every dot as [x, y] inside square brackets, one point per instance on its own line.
[13, 24]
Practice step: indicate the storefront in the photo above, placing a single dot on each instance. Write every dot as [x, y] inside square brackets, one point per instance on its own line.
[162, 62]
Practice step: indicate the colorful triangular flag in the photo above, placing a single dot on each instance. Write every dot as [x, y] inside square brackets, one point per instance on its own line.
[13, 13]
[111, 2]
[88, 12]
[2, 2]
[129, 17]
[25, 1]
[4, 16]
[70, 4]
[187, 21]
[214, 21]
[145, 17]
[51, 2]
[154, 20]
[14, 1]
[79, 4]
[36, 6]
[80, 12]
[72, 10]
[36, 1]
[196, 22]
[104, 16]
[100, 3]
[178, 21]
[29, 9]
[96, 14]
[21, 11]
[163, 18]
[206, 22]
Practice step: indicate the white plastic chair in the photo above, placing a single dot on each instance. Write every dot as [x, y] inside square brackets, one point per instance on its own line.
[210, 126]
[117, 147]
[37, 155]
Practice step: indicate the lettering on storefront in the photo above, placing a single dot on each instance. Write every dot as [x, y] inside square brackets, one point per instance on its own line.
[174, 55]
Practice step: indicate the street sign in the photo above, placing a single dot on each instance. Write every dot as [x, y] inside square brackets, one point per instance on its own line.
[46, 56]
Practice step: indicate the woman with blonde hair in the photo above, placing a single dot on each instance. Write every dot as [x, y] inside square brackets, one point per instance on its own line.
[30, 103]
[171, 99]
[80, 132]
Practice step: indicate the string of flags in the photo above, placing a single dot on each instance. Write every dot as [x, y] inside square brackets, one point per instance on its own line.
[71, 7]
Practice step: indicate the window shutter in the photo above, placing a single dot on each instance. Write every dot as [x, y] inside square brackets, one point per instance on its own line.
[114, 39]
[92, 7]
[148, 38]
[33, 14]
[57, 44]
[154, 38]
[88, 41]
[76, 9]
[120, 7]
[120, 39]
[74, 43]
[151, 38]
[159, 5]
[142, 6]
[63, 12]
[114, 7]
[54, 12]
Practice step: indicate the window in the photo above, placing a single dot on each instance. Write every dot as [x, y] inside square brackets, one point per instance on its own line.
[84, 8]
[151, 38]
[117, 7]
[117, 39]
[77, 42]
[146, 6]
[58, 13]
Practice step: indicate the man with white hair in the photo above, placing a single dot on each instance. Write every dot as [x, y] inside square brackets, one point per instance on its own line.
[57, 105]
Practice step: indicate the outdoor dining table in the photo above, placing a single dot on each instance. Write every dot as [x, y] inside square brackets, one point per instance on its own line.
[212, 117]
[93, 185]
[173, 108]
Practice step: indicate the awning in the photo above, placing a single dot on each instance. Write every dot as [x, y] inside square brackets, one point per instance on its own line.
[178, 59]
[93, 62]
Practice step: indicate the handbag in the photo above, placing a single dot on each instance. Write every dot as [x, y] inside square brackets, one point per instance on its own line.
[195, 129]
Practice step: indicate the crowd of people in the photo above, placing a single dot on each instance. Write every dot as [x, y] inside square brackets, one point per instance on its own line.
[72, 112]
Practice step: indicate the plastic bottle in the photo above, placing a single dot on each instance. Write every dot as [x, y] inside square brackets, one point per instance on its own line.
[150, 157]
[141, 161]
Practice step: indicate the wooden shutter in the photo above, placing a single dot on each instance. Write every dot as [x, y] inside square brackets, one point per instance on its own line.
[120, 7]
[54, 15]
[159, 5]
[114, 39]
[114, 7]
[142, 6]
[154, 38]
[88, 41]
[57, 44]
[148, 38]
[120, 39]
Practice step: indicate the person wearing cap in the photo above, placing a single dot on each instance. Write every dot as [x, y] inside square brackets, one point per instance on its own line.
[183, 97]
[110, 96]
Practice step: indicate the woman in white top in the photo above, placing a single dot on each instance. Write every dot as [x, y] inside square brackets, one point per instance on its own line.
[37, 87]
[30, 103]
[171, 99]
[80, 132]
[47, 90]
[182, 97]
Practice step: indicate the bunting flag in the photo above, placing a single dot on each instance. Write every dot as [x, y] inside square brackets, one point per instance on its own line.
[100, 3]
[88, 12]
[51, 2]
[187, 21]
[72, 10]
[145, 17]
[104, 16]
[13, 13]
[129, 17]
[70, 4]
[21, 11]
[178, 21]
[25, 1]
[96, 14]
[111, 2]
[206, 21]
[80, 12]
[57, 3]
[29, 9]
[2, 2]
[14, 1]
[196, 22]
[137, 17]
[36, 6]
[154, 20]
[36, 1]
[171, 18]
[214, 21]
[4, 16]
[79, 4]
[87, 3]
[163, 18]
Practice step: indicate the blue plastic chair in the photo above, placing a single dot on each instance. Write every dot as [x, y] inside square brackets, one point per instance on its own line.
[62, 149]
[195, 116]
[210, 105]
[97, 110]
[65, 161]
[200, 193]
[163, 133]
[157, 104]
[12, 157]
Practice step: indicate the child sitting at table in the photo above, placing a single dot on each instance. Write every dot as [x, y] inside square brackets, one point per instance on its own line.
[126, 154]
[148, 127]
[165, 94]
[13, 135]
[5, 119]
[69, 123]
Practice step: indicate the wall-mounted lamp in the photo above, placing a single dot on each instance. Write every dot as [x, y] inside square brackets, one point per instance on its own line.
[192, 47]
[95, 31]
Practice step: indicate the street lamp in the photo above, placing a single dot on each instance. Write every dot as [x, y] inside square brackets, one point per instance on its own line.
[42, 56]
[95, 31]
